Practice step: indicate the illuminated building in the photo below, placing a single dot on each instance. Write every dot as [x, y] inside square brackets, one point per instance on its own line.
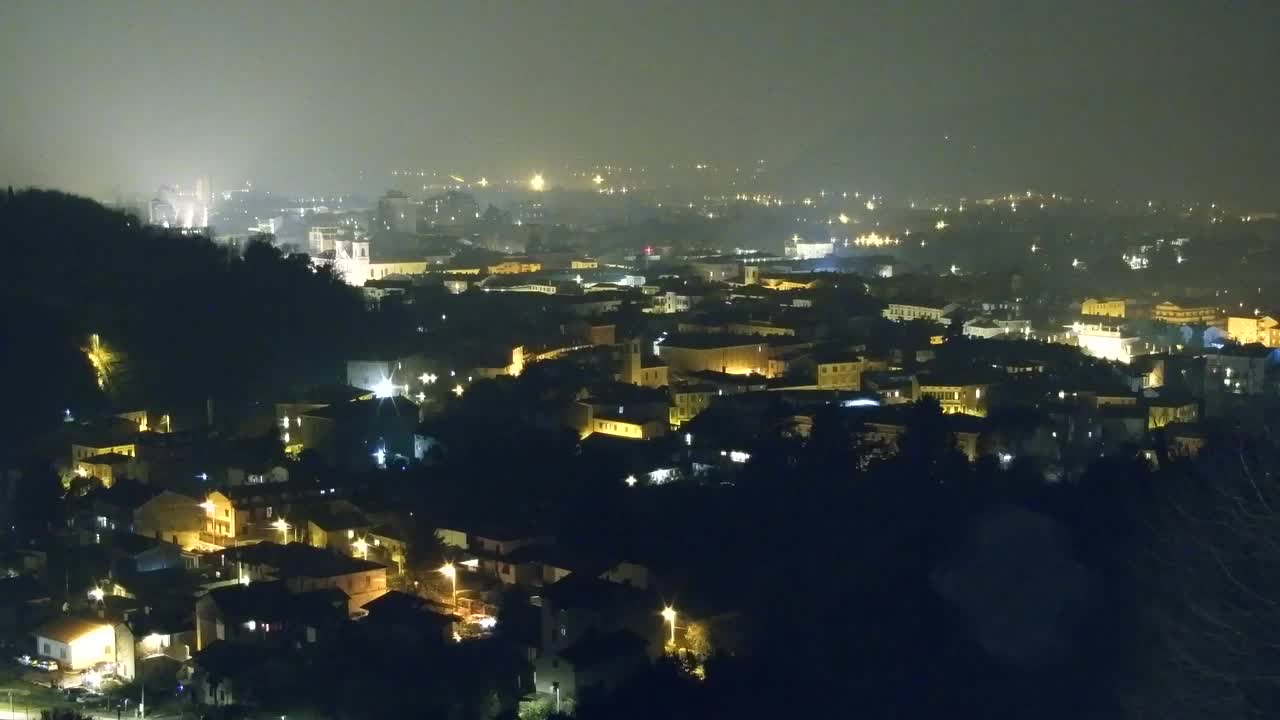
[1249, 329]
[192, 524]
[513, 266]
[356, 266]
[583, 264]
[75, 643]
[450, 208]
[874, 240]
[956, 396]
[1161, 412]
[688, 401]
[843, 372]
[639, 370]
[1108, 342]
[719, 353]
[1180, 313]
[397, 213]
[801, 250]
[323, 239]
[932, 311]
[1237, 370]
[788, 282]
[107, 467]
[1105, 307]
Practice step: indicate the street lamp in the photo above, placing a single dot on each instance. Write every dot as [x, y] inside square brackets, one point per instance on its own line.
[669, 615]
[451, 572]
[283, 527]
[362, 546]
[97, 594]
[537, 183]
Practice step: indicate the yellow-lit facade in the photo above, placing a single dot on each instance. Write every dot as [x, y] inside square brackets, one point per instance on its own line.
[967, 399]
[732, 359]
[1249, 329]
[1159, 416]
[616, 427]
[687, 404]
[80, 452]
[514, 267]
[584, 264]
[1104, 307]
[380, 270]
[1174, 313]
[786, 283]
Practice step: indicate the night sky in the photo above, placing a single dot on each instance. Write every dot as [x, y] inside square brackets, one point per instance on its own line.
[1136, 99]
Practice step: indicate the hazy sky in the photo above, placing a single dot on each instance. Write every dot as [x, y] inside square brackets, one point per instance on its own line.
[1176, 97]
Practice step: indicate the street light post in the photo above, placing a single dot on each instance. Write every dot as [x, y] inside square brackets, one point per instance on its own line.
[451, 572]
[669, 615]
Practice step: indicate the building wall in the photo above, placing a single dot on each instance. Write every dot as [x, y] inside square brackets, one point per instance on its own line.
[1249, 329]
[172, 517]
[80, 452]
[1173, 313]
[687, 405]
[1103, 307]
[899, 312]
[733, 359]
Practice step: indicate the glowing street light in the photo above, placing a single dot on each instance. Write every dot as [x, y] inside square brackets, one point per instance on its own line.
[208, 506]
[458, 390]
[597, 179]
[384, 388]
[427, 378]
[483, 182]
[537, 183]
[451, 572]
[97, 594]
[940, 225]
[361, 546]
[669, 615]
[844, 219]
[631, 481]
[283, 527]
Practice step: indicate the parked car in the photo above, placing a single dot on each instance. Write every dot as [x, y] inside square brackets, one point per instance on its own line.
[82, 695]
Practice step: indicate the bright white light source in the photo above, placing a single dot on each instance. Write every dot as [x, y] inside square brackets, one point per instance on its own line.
[537, 183]
[630, 481]
[738, 456]
[940, 225]
[384, 388]
[860, 402]
[380, 455]
[844, 219]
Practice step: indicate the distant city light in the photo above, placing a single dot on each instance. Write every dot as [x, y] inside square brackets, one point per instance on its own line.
[537, 183]
[844, 219]
[458, 390]
[871, 205]
[940, 225]
[630, 480]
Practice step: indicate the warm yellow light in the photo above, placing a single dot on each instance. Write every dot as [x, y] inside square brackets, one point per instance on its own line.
[208, 506]
[844, 219]
[940, 225]
[458, 390]
[449, 571]
[669, 614]
[537, 183]
[362, 547]
[97, 594]
[597, 179]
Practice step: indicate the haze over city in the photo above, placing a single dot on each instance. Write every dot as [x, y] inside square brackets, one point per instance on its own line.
[1172, 100]
[603, 360]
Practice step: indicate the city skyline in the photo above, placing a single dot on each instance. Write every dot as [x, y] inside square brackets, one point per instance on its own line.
[1167, 100]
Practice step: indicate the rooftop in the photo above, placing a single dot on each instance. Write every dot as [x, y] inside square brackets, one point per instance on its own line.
[300, 560]
[67, 629]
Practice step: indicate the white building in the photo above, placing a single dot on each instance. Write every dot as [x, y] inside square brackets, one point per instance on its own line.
[1109, 343]
[323, 239]
[935, 312]
[802, 250]
[76, 643]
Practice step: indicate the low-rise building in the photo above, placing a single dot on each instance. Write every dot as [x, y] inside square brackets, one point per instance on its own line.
[1184, 312]
[76, 643]
[932, 311]
[1261, 329]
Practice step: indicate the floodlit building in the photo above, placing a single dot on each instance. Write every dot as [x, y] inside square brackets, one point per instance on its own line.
[1109, 343]
[1186, 312]
[76, 643]
[721, 353]
[323, 239]
[957, 396]
[932, 311]
[1249, 329]
[1106, 307]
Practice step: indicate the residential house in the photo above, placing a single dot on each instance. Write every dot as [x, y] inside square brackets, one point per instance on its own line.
[76, 643]
[268, 614]
[304, 568]
[1249, 329]
[595, 634]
